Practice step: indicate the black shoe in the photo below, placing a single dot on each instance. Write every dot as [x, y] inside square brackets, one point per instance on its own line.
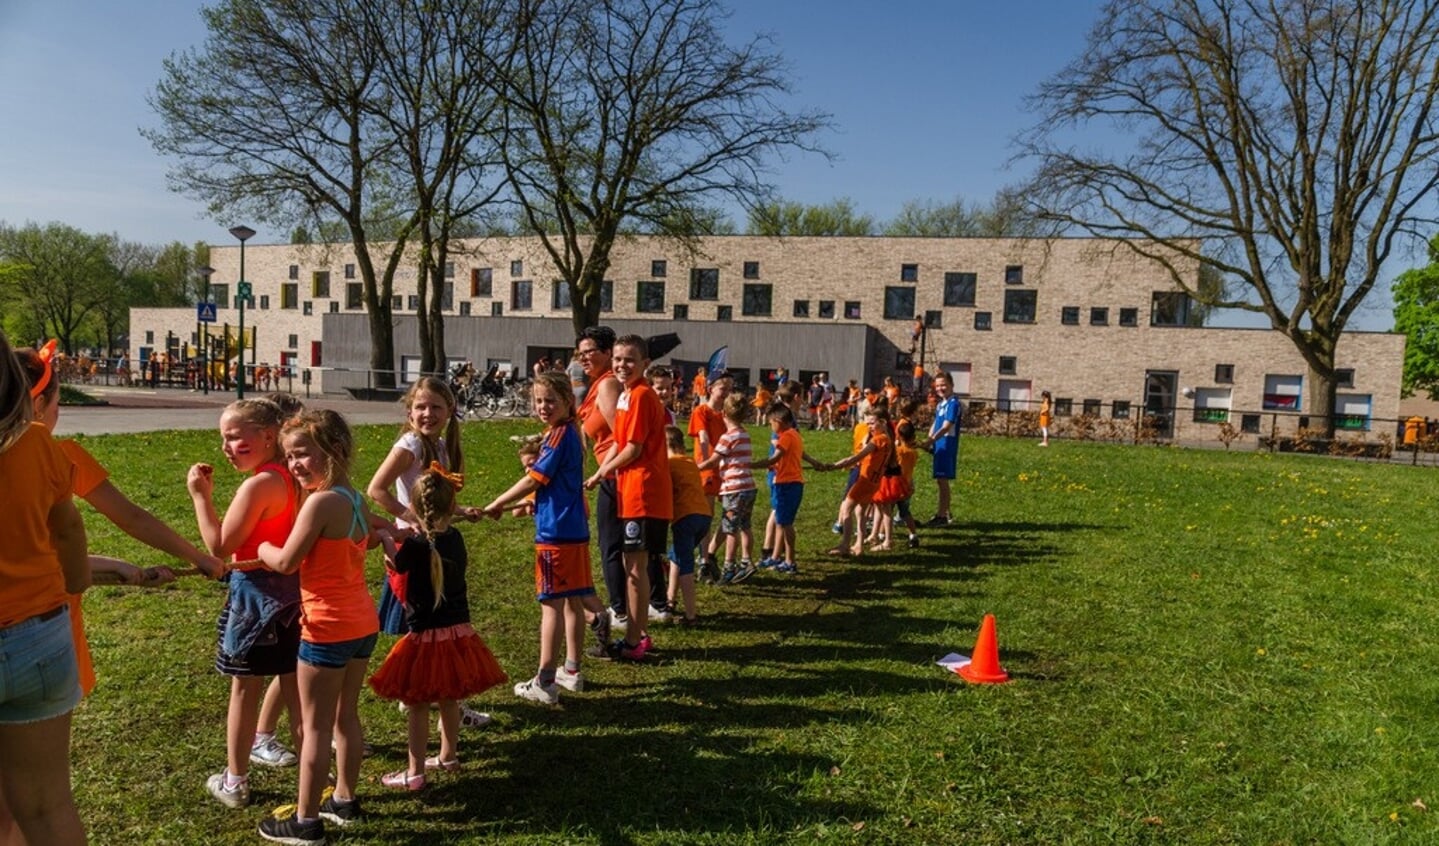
[290, 830]
[914, 541]
[601, 627]
[340, 813]
[937, 520]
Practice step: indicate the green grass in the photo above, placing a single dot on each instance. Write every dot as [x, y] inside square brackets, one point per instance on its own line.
[71, 395]
[1205, 647]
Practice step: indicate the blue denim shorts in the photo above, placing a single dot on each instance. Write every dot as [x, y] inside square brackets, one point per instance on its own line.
[39, 679]
[334, 656]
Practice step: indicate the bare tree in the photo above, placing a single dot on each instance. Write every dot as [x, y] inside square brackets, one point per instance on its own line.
[627, 115]
[1284, 144]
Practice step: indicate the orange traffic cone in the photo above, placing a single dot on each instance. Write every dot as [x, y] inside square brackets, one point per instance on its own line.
[983, 667]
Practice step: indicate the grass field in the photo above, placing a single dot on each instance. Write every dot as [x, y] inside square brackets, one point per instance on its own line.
[1205, 648]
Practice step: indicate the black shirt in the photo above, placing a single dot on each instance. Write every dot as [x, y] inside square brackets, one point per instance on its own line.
[413, 559]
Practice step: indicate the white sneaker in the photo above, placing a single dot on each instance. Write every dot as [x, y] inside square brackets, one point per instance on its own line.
[271, 753]
[658, 615]
[570, 681]
[470, 718]
[618, 622]
[236, 797]
[536, 692]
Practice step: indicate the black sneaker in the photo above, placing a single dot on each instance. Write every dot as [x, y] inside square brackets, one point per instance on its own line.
[601, 627]
[290, 830]
[914, 541]
[340, 813]
[937, 520]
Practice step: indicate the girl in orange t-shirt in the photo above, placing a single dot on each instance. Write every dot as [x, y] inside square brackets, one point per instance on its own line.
[871, 457]
[339, 623]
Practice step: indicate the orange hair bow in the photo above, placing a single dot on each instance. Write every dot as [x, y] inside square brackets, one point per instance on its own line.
[47, 357]
[456, 479]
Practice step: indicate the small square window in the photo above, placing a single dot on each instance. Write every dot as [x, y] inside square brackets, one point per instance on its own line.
[294, 271]
[1063, 407]
[1120, 410]
[981, 321]
[851, 309]
[1224, 374]
[650, 297]
[1020, 305]
[1129, 317]
[517, 268]
[909, 273]
[826, 309]
[934, 320]
[1344, 377]
[1008, 365]
[1249, 423]
[682, 311]
[1091, 408]
[751, 270]
[464, 308]
[497, 309]
[1014, 274]
[801, 308]
[724, 313]
[1069, 315]
[658, 268]
[898, 302]
[335, 306]
[307, 307]
[1099, 316]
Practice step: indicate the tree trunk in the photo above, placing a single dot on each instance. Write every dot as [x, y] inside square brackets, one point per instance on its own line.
[422, 312]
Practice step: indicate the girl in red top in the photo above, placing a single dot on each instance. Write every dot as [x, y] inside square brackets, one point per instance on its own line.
[259, 631]
[338, 620]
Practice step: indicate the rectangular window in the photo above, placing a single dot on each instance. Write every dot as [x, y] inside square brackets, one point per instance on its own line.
[559, 295]
[316, 357]
[1249, 423]
[1224, 374]
[981, 321]
[449, 270]
[826, 309]
[1129, 317]
[1069, 315]
[607, 295]
[851, 310]
[898, 302]
[349, 271]
[704, 283]
[934, 320]
[909, 273]
[517, 268]
[290, 295]
[1020, 305]
[294, 271]
[354, 295]
[1063, 407]
[1120, 410]
[265, 301]
[220, 295]
[447, 297]
[757, 300]
[801, 308]
[1344, 377]
[481, 281]
[149, 336]
[522, 292]
[682, 311]
[1282, 392]
[1014, 274]
[308, 308]
[903, 362]
[1211, 405]
[1099, 316]
[751, 270]
[464, 308]
[320, 284]
[414, 302]
[497, 309]
[1008, 365]
[650, 297]
[724, 313]
[1169, 308]
[1091, 408]
[335, 306]
[959, 288]
[396, 303]
[959, 373]
[1351, 412]
[294, 341]
[658, 268]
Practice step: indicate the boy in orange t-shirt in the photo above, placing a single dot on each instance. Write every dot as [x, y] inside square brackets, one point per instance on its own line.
[786, 489]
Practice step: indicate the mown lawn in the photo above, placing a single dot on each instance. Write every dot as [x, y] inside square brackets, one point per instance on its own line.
[1205, 648]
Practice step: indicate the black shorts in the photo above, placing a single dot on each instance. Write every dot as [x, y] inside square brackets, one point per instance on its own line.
[646, 534]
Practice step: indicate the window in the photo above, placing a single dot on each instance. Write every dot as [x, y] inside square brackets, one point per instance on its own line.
[294, 341]
[335, 306]
[497, 309]
[650, 297]
[481, 281]
[220, 295]
[1063, 407]
[414, 302]
[1129, 317]
[1020, 305]
[1211, 405]
[1120, 410]
[517, 268]
[607, 295]
[1169, 308]
[981, 321]
[959, 289]
[934, 320]
[704, 283]
[1099, 316]
[320, 284]
[1008, 365]
[1069, 315]
[1014, 274]
[1351, 412]
[290, 295]
[724, 313]
[682, 311]
[1224, 374]
[294, 271]
[757, 300]
[658, 267]
[559, 295]
[1281, 393]
[354, 295]
[1091, 408]
[851, 309]
[149, 336]
[801, 308]
[464, 308]
[826, 309]
[751, 270]
[898, 302]
[447, 297]
[349, 271]
[909, 273]
[522, 293]
[1344, 377]
[308, 308]
[316, 354]
[265, 301]
[449, 270]
[904, 362]
[959, 373]
[1249, 423]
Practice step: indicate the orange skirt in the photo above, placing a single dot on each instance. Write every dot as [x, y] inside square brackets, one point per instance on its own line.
[863, 490]
[449, 663]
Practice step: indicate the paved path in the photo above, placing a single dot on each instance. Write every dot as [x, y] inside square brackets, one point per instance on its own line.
[146, 410]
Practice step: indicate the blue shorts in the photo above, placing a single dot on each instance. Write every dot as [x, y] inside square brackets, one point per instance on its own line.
[785, 501]
[334, 656]
[39, 679]
[946, 457]
[688, 532]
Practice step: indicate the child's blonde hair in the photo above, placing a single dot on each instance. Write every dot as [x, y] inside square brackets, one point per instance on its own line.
[429, 449]
[736, 407]
[432, 497]
[558, 384]
[331, 434]
[16, 409]
[262, 413]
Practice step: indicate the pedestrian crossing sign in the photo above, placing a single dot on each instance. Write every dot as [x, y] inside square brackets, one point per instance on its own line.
[205, 312]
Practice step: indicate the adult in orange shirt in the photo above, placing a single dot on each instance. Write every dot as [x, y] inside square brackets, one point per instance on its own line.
[44, 561]
[699, 387]
[596, 415]
[641, 463]
[707, 426]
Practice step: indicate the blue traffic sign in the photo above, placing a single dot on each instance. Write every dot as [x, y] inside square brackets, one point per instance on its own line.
[205, 312]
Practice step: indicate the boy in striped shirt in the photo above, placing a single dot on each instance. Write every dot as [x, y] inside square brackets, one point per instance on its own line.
[737, 491]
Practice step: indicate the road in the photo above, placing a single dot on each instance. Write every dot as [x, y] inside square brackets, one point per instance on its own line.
[145, 410]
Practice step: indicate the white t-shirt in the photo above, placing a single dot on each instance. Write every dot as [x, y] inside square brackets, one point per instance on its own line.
[411, 441]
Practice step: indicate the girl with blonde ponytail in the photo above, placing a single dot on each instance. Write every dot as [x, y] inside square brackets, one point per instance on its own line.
[441, 659]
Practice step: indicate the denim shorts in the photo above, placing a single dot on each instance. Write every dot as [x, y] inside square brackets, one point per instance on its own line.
[39, 679]
[334, 656]
[738, 507]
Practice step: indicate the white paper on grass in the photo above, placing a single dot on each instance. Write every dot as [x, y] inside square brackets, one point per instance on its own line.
[953, 661]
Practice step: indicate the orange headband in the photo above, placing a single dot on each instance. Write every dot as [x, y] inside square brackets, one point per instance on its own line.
[47, 355]
[456, 479]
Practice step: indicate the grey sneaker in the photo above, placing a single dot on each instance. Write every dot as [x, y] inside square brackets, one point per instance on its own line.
[288, 829]
[236, 797]
[270, 752]
[746, 569]
[570, 681]
[536, 692]
[340, 813]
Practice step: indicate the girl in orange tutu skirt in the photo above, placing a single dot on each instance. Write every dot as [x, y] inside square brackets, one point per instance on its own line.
[441, 660]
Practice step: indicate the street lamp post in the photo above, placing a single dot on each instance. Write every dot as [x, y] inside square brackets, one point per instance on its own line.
[203, 329]
[244, 233]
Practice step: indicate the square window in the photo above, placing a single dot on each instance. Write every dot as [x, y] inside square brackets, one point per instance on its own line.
[497, 309]
[1099, 316]
[851, 309]
[658, 267]
[909, 273]
[294, 271]
[1281, 393]
[1069, 315]
[650, 297]
[1020, 305]
[826, 309]
[1169, 308]
[904, 362]
[1008, 365]
[307, 308]
[349, 271]
[335, 306]
[1063, 407]
[757, 300]
[981, 321]
[1120, 410]
[801, 308]
[522, 292]
[320, 284]
[517, 268]
[898, 302]
[1014, 274]
[704, 283]
[481, 281]
[724, 313]
[354, 295]
[1091, 408]
[751, 270]
[1129, 317]
[464, 308]
[934, 320]
[682, 311]
[959, 289]
[1344, 377]
[1224, 374]
[1249, 423]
